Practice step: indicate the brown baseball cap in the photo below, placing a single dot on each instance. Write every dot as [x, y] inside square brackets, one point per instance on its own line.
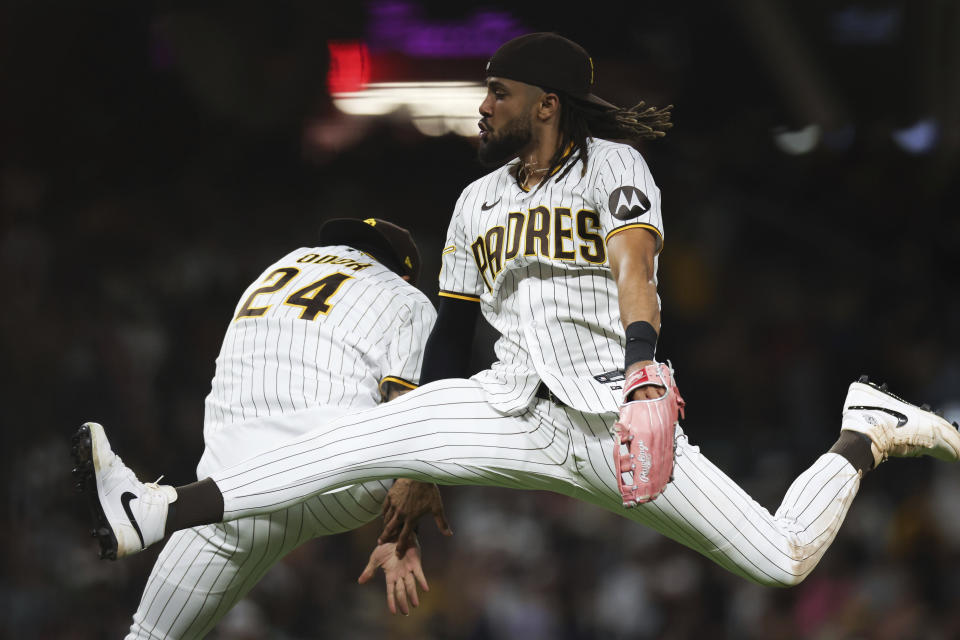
[549, 61]
[400, 252]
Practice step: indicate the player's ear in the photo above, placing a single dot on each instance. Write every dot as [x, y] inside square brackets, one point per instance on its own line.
[548, 106]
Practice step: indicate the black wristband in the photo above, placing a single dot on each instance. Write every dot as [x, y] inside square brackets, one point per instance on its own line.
[641, 343]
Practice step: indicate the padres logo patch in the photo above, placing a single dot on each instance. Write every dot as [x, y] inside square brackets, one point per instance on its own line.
[628, 202]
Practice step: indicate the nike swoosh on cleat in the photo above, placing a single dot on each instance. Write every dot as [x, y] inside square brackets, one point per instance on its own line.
[125, 501]
[487, 207]
[901, 418]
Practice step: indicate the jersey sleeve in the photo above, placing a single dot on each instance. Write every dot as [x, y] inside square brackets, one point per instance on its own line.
[626, 195]
[459, 276]
[405, 353]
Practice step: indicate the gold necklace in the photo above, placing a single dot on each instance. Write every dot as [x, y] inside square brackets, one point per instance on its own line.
[526, 173]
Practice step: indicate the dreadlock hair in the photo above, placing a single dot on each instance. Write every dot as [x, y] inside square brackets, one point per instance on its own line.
[580, 120]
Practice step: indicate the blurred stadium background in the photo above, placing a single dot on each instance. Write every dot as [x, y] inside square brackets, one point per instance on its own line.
[154, 157]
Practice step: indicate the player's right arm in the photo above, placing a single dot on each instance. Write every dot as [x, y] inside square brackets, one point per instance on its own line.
[461, 285]
[446, 355]
[409, 496]
[400, 557]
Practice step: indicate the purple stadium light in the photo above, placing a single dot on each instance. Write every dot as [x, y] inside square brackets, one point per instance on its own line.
[919, 138]
[399, 26]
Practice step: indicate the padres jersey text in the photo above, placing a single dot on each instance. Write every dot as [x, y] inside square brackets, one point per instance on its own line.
[537, 263]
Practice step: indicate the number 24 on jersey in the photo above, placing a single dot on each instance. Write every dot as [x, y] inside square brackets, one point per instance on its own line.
[313, 298]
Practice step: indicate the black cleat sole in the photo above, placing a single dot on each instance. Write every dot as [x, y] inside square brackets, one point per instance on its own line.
[81, 449]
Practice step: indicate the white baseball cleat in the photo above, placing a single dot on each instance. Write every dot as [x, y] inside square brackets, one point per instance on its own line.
[897, 428]
[128, 515]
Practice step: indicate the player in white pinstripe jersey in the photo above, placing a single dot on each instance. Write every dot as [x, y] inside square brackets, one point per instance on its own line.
[514, 249]
[328, 329]
[558, 250]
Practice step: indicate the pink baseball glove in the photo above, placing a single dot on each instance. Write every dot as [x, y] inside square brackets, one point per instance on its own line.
[644, 446]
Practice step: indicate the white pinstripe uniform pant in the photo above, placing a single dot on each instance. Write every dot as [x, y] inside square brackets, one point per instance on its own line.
[446, 432]
[202, 572]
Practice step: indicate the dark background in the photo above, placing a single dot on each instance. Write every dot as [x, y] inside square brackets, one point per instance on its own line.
[155, 157]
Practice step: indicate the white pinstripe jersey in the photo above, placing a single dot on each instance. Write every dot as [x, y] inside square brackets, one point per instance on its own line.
[323, 326]
[537, 263]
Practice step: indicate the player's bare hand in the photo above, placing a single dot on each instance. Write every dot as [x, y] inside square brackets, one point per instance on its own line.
[651, 392]
[403, 507]
[648, 393]
[402, 575]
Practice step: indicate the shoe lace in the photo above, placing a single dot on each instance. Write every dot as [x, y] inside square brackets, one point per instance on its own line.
[118, 467]
[128, 474]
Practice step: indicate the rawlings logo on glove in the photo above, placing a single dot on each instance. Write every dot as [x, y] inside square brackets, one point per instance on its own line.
[644, 446]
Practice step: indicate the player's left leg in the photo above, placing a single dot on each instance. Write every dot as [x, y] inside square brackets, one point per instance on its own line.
[705, 510]
[444, 432]
[702, 508]
[204, 571]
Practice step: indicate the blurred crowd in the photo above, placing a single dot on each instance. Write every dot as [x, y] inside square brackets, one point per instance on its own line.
[145, 181]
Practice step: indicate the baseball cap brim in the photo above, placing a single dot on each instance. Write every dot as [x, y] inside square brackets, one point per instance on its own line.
[594, 101]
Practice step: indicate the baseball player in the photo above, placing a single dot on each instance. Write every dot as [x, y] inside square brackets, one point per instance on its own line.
[558, 248]
[325, 331]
